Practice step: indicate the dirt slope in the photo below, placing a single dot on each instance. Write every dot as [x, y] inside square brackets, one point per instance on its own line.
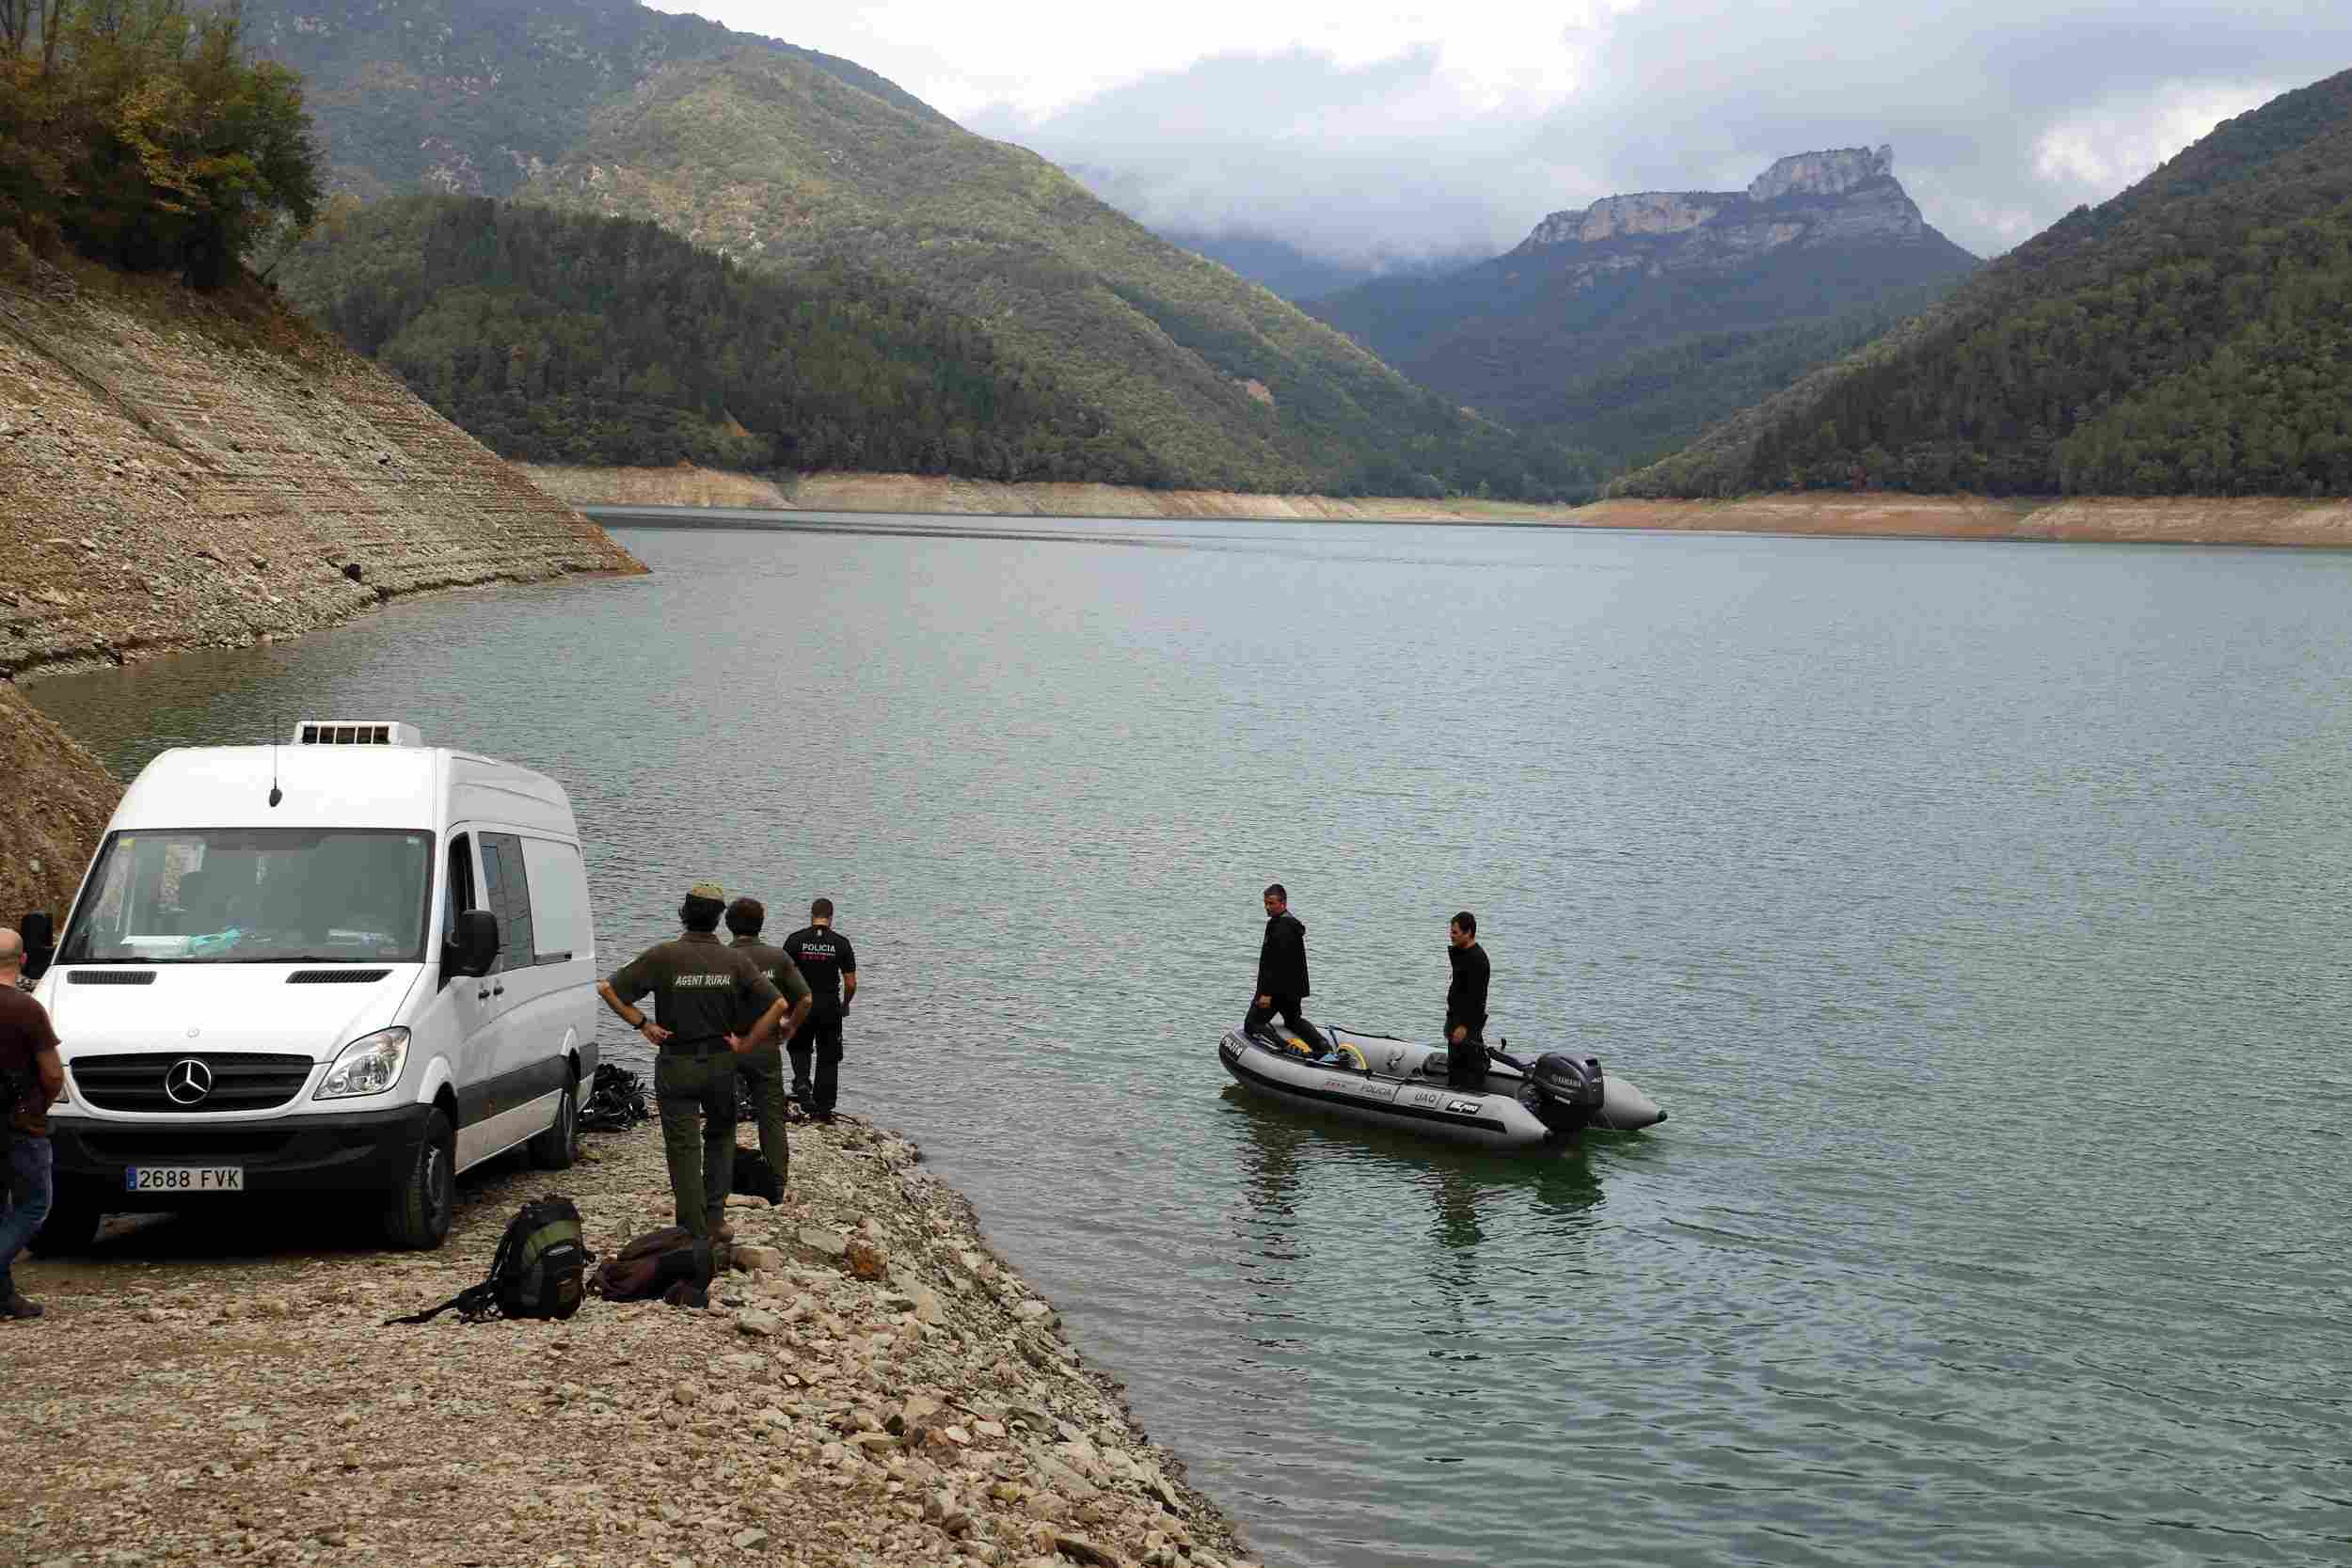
[54, 804]
[180, 470]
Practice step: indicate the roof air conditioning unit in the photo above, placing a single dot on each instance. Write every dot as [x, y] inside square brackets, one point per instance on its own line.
[355, 731]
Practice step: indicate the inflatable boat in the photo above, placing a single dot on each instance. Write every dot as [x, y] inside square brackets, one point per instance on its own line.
[1383, 1082]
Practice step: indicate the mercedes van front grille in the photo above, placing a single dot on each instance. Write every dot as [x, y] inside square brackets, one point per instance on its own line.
[109, 976]
[190, 1081]
[336, 976]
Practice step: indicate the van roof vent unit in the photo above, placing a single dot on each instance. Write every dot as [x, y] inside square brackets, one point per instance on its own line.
[355, 731]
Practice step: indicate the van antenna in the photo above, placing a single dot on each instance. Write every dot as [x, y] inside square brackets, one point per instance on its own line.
[276, 794]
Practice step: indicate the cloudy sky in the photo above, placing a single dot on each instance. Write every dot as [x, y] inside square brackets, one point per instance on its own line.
[1355, 128]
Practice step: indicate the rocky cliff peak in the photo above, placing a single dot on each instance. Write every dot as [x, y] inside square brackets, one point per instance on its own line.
[1840, 194]
[1830, 173]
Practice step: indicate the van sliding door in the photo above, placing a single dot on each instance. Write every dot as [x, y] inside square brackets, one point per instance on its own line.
[530, 1062]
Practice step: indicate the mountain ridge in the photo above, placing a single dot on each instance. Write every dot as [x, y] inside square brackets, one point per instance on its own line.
[1815, 236]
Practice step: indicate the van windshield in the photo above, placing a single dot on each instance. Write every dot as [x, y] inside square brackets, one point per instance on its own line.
[255, 896]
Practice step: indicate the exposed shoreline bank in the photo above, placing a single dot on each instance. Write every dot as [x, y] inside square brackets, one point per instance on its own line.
[224, 1403]
[2176, 520]
[183, 470]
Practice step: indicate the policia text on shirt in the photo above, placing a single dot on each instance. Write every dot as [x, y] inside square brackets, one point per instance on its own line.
[711, 1003]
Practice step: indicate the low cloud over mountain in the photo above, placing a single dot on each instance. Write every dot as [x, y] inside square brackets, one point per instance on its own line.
[1426, 130]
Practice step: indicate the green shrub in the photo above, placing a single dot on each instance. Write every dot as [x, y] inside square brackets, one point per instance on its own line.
[138, 133]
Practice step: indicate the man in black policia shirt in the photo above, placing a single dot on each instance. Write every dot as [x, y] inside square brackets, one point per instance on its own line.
[829, 964]
[712, 1004]
[1283, 973]
[763, 1067]
[1466, 1004]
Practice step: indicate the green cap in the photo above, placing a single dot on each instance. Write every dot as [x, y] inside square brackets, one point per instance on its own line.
[711, 891]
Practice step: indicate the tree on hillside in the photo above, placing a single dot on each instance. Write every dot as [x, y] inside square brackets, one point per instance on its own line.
[137, 132]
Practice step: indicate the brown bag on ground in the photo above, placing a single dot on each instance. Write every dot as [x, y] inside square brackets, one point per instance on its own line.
[648, 1267]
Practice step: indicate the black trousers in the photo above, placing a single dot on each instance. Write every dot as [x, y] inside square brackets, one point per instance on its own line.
[817, 1044]
[1288, 1009]
[1465, 1060]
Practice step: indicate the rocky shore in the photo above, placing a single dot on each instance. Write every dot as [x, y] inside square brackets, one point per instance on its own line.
[2266, 520]
[2123, 520]
[869, 1386]
[686, 485]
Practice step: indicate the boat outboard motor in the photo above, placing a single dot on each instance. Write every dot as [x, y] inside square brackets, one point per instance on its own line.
[1564, 1091]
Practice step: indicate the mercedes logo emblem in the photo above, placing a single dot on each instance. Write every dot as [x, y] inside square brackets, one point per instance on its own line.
[187, 1081]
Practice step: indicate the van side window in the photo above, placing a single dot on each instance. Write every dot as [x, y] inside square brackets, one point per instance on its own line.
[506, 888]
[558, 902]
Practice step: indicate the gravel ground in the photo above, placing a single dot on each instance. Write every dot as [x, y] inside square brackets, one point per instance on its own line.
[869, 1386]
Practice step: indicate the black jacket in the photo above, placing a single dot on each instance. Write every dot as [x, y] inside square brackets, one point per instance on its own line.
[1282, 960]
[1466, 998]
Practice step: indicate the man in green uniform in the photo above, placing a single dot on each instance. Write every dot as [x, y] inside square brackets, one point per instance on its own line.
[765, 1067]
[712, 1004]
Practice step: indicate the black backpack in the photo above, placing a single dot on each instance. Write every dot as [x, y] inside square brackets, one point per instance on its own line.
[539, 1271]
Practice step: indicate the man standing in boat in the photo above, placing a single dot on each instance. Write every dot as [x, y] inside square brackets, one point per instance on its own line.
[1466, 1004]
[1283, 973]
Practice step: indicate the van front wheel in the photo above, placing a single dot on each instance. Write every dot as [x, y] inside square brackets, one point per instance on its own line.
[559, 1146]
[418, 1217]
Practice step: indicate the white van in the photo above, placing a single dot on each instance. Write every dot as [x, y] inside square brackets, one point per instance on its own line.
[352, 963]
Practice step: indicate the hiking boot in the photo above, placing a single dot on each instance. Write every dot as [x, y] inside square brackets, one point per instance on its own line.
[19, 1306]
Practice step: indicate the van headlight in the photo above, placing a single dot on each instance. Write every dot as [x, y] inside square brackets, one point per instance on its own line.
[369, 1064]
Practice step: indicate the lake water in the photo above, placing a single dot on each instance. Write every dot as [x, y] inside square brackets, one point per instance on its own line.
[1978, 912]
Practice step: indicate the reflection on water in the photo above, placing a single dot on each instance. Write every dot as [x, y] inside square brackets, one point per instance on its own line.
[1975, 910]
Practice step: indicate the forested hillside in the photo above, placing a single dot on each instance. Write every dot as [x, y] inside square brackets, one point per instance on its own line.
[788, 161]
[2193, 336]
[1649, 403]
[569, 338]
[1231, 388]
[474, 95]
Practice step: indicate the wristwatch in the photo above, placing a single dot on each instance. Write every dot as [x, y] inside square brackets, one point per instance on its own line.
[643, 1023]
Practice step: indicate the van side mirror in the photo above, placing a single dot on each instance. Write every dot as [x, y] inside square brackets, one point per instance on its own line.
[473, 947]
[40, 945]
